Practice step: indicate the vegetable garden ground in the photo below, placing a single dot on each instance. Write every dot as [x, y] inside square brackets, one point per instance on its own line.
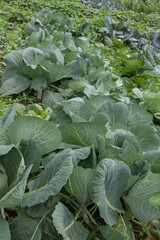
[79, 120]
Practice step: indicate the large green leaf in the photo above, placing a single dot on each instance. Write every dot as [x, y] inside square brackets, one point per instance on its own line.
[64, 111]
[15, 85]
[51, 98]
[147, 137]
[152, 100]
[116, 112]
[139, 168]
[49, 232]
[83, 43]
[80, 154]
[4, 149]
[14, 196]
[122, 230]
[14, 59]
[43, 132]
[138, 115]
[4, 140]
[39, 71]
[107, 187]
[129, 152]
[36, 37]
[69, 41]
[50, 180]
[72, 106]
[66, 224]
[49, 158]
[54, 54]
[139, 196]
[24, 227]
[78, 85]
[32, 27]
[119, 136]
[76, 118]
[59, 117]
[39, 210]
[92, 106]
[141, 209]
[153, 158]
[70, 70]
[110, 233]
[39, 84]
[43, 212]
[10, 72]
[31, 55]
[32, 153]
[79, 184]
[131, 67]
[101, 118]
[147, 187]
[13, 163]
[108, 21]
[90, 90]
[8, 117]
[81, 133]
[4, 230]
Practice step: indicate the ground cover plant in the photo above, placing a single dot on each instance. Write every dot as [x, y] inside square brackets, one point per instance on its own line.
[85, 162]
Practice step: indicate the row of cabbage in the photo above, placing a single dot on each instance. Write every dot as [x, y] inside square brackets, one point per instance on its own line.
[87, 160]
[55, 52]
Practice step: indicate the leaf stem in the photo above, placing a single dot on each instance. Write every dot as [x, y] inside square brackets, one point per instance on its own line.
[70, 199]
[94, 210]
[89, 204]
[3, 213]
[39, 224]
[136, 222]
[123, 222]
[90, 216]
[53, 237]
[75, 218]
[74, 207]
[94, 157]
[90, 210]
[54, 87]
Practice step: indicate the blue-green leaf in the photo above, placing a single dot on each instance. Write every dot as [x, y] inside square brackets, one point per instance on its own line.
[109, 183]
[66, 224]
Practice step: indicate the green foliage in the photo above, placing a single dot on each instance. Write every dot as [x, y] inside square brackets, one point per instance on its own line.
[6, 100]
[85, 163]
[142, 6]
[79, 169]
[135, 5]
[5, 232]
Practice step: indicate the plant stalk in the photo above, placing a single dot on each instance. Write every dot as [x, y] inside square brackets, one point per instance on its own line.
[90, 216]
[71, 200]
[3, 213]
